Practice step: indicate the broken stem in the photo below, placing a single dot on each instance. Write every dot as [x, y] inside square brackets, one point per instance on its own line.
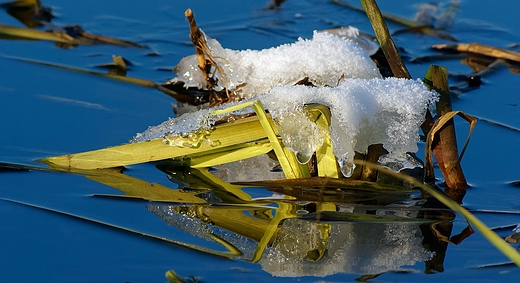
[198, 40]
[205, 61]
[445, 145]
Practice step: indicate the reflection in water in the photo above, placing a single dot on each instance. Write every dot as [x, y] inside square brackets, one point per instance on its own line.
[363, 248]
[185, 218]
[312, 227]
[304, 246]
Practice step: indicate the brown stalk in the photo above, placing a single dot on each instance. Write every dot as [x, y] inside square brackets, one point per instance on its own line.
[445, 145]
[198, 41]
[385, 40]
[205, 60]
[445, 148]
[392, 55]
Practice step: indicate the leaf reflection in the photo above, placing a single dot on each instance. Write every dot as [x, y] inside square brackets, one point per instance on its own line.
[288, 245]
[374, 232]
[290, 236]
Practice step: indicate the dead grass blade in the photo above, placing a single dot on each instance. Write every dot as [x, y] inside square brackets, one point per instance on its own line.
[120, 65]
[439, 124]
[206, 61]
[498, 124]
[481, 49]
[11, 32]
[67, 37]
[248, 129]
[83, 37]
[494, 265]
[183, 98]
[325, 182]
[29, 12]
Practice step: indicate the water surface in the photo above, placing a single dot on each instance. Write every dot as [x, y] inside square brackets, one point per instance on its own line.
[48, 111]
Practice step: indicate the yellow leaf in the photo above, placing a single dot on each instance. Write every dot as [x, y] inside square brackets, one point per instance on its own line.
[137, 188]
[30, 34]
[241, 131]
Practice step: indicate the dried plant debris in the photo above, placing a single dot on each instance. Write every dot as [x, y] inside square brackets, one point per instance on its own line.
[180, 97]
[483, 60]
[67, 37]
[29, 12]
[117, 67]
[351, 129]
[364, 110]
[481, 49]
[78, 36]
[514, 238]
[33, 15]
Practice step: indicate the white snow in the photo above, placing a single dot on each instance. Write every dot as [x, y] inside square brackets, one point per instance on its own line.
[352, 33]
[324, 59]
[364, 112]
[365, 109]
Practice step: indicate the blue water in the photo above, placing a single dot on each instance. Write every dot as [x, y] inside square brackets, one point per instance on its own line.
[47, 111]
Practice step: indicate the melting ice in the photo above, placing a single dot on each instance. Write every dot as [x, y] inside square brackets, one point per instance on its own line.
[365, 108]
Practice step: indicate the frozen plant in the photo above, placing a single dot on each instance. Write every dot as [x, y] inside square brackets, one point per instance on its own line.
[365, 109]
[324, 60]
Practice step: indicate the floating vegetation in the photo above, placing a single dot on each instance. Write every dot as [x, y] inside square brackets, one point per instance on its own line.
[32, 14]
[302, 157]
[477, 48]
